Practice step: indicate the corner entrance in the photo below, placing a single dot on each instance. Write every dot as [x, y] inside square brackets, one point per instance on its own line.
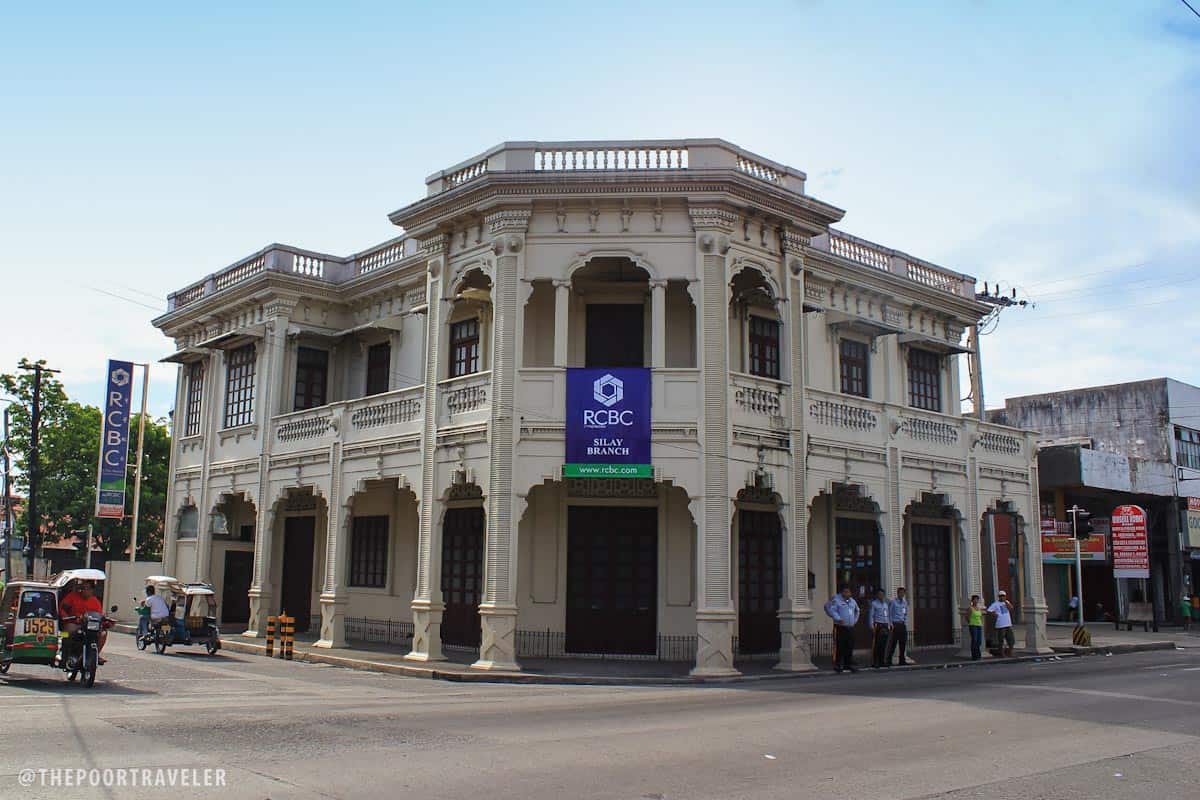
[296, 592]
[612, 580]
[760, 581]
[932, 595]
[462, 575]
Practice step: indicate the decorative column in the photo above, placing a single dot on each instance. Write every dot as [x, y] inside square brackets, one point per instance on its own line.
[498, 611]
[795, 610]
[658, 323]
[972, 559]
[261, 588]
[562, 304]
[427, 606]
[333, 588]
[1034, 609]
[715, 613]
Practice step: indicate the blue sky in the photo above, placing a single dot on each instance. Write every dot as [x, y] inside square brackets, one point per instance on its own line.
[1048, 146]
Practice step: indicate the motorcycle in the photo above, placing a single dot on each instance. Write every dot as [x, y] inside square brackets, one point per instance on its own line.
[79, 655]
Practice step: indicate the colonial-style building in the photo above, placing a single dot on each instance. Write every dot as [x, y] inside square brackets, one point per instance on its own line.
[382, 436]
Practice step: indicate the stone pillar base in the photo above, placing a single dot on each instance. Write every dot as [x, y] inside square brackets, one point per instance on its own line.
[260, 609]
[1036, 640]
[427, 632]
[333, 621]
[794, 652]
[714, 645]
[498, 642]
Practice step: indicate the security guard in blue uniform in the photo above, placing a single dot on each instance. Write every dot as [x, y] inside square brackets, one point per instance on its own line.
[842, 608]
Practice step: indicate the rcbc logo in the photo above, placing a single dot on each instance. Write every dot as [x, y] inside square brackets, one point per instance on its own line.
[608, 391]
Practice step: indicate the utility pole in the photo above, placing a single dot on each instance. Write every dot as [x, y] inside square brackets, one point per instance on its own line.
[8, 510]
[997, 302]
[33, 539]
[137, 470]
[1075, 511]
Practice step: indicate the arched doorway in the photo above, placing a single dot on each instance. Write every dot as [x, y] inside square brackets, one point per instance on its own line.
[857, 550]
[463, 539]
[760, 579]
[931, 523]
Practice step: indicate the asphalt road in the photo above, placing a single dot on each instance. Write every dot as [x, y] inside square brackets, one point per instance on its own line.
[1098, 727]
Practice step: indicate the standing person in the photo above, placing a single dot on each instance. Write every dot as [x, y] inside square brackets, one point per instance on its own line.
[1002, 611]
[842, 608]
[974, 615]
[1185, 611]
[898, 614]
[1073, 609]
[879, 619]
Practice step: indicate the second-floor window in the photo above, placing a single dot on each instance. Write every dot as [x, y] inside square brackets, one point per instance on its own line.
[925, 380]
[764, 347]
[1187, 447]
[379, 368]
[195, 391]
[853, 359]
[239, 387]
[464, 348]
[312, 376]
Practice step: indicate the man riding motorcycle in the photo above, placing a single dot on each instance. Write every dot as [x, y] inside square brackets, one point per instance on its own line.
[75, 604]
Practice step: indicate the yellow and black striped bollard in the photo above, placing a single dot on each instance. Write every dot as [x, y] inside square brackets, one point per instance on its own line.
[270, 637]
[287, 636]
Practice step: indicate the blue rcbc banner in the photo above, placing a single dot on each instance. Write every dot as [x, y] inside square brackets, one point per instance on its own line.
[114, 441]
[608, 423]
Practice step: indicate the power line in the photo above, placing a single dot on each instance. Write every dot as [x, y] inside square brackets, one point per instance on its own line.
[159, 309]
[1190, 8]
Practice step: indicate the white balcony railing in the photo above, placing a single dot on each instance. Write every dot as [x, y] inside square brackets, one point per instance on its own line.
[391, 414]
[758, 402]
[464, 400]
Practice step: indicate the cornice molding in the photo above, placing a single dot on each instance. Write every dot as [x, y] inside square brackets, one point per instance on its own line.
[708, 218]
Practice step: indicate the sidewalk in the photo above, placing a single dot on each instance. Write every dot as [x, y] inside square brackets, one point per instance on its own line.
[390, 659]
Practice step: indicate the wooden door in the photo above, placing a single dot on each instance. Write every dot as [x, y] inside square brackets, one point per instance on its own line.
[615, 335]
[858, 556]
[235, 599]
[932, 595]
[612, 580]
[760, 581]
[295, 596]
[463, 534]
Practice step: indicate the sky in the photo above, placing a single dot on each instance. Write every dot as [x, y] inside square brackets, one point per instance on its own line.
[1053, 148]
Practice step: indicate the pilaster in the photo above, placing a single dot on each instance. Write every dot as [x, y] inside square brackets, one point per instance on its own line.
[498, 611]
[427, 604]
[1034, 610]
[796, 609]
[562, 304]
[658, 323]
[333, 590]
[715, 614]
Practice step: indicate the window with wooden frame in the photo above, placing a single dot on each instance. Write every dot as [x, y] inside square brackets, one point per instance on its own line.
[854, 362]
[764, 347]
[195, 393]
[312, 377]
[239, 386]
[1187, 447]
[369, 552]
[925, 380]
[464, 348]
[379, 368]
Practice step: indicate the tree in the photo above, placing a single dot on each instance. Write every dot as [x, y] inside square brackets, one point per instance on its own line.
[68, 461]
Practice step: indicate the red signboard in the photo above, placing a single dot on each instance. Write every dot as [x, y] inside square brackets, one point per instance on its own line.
[1131, 553]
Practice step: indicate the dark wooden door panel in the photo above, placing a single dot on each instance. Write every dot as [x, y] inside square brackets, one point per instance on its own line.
[858, 556]
[760, 581]
[235, 600]
[932, 595]
[612, 580]
[463, 535]
[296, 595]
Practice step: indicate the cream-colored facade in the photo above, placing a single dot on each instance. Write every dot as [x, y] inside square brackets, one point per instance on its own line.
[807, 428]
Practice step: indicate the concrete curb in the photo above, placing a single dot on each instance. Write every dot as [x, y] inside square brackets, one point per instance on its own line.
[233, 645]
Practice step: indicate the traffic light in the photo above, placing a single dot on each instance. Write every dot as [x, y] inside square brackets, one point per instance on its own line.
[1083, 528]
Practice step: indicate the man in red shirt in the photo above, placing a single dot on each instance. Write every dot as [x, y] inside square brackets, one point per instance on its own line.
[77, 603]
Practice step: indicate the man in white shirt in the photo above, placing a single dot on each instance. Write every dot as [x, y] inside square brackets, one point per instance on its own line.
[159, 610]
[843, 609]
[1002, 611]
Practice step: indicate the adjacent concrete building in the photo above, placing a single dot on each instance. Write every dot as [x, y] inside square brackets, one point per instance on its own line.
[377, 440]
[1127, 444]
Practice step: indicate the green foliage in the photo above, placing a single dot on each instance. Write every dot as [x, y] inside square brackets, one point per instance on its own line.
[68, 460]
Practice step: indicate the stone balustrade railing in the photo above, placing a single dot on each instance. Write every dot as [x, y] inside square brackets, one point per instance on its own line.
[759, 397]
[295, 261]
[895, 262]
[304, 425]
[394, 408]
[466, 394]
[843, 414]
